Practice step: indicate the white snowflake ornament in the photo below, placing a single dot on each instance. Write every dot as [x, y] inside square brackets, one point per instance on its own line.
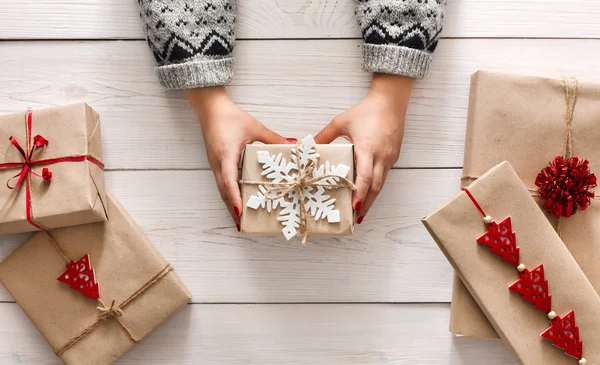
[300, 184]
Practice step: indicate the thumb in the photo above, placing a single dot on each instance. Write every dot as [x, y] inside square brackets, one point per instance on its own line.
[267, 136]
[329, 133]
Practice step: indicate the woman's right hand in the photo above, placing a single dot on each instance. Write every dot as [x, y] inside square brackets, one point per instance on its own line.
[227, 129]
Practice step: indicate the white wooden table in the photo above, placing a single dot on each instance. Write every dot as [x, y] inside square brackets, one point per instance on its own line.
[379, 297]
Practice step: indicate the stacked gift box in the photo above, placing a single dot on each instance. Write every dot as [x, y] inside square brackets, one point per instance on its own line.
[90, 281]
[533, 218]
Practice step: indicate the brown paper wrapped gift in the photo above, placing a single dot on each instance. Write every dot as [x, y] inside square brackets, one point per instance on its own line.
[256, 179]
[457, 226]
[526, 121]
[63, 180]
[129, 272]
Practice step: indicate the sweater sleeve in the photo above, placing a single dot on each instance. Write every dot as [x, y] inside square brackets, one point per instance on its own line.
[399, 35]
[192, 40]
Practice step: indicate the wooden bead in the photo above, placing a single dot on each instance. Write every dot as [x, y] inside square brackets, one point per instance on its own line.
[552, 315]
[521, 268]
[487, 219]
[583, 361]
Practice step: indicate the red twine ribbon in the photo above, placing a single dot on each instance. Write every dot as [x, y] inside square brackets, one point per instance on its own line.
[28, 163]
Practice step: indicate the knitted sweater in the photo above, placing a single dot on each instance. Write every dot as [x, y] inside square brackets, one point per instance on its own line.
[193, 40]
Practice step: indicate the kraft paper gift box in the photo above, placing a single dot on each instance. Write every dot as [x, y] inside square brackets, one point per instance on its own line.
[128, 270]
[51, 170]
[457, 227]
[329, 207]
[523, 119]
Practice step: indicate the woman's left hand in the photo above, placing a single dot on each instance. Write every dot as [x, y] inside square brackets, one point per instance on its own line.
[375, 126]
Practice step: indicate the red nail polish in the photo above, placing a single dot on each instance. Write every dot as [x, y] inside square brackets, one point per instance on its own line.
[357, 206]
[360, 219]
[293, 140]
[238, 227]
[236, 211]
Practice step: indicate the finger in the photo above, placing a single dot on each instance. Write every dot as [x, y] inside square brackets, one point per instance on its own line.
[267, 136]
[379, 177]
[225, 198]
[229, 175]
[329, 133]
[364, 178]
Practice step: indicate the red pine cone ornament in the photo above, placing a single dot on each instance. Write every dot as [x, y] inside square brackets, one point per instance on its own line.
[566, 185]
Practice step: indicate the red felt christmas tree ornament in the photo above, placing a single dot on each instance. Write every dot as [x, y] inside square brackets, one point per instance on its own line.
[534, 288]
[502, 241]
[81, 277]
[565, 334]
[532, 285]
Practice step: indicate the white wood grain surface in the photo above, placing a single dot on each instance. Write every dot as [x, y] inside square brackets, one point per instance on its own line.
[378, 297]
[390, 258]
[294, 87]
[377, 334]
[119, 19]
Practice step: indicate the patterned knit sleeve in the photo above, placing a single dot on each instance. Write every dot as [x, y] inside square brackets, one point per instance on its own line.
[399, 35]
[192, 40]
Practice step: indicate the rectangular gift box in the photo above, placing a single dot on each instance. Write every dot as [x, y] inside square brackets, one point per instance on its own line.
[262, 220]
[523, 119]
[129, 271]
[456, 228]
[64, 185]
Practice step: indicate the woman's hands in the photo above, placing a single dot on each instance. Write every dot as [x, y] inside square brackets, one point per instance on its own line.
[375, 126]
[227, 129]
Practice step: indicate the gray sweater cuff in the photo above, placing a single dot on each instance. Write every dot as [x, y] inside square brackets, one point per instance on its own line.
[195, 74]
[396, 60]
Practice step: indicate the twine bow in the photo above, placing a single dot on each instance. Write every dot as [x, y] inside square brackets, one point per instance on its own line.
[112, 311]
[305, 179]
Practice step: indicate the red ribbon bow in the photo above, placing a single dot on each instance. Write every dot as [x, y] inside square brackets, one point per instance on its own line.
[28, 163]
[38, 142]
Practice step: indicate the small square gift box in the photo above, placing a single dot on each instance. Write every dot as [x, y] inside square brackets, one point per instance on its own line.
[93, 290]
[298, 189]
[51, 170]
[548, 129]
[518, 271]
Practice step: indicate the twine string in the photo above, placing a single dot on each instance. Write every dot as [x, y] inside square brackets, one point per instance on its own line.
[304, 179]
[112, 311]
[571, 90]
[571, 87]
[107, 312]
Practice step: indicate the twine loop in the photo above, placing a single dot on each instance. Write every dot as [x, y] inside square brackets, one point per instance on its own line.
[304, 179]
[112, 311]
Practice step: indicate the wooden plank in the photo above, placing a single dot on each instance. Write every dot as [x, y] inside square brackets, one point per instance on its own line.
[390, 258]
[118, 19]
[294, 87]
[281, 334]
